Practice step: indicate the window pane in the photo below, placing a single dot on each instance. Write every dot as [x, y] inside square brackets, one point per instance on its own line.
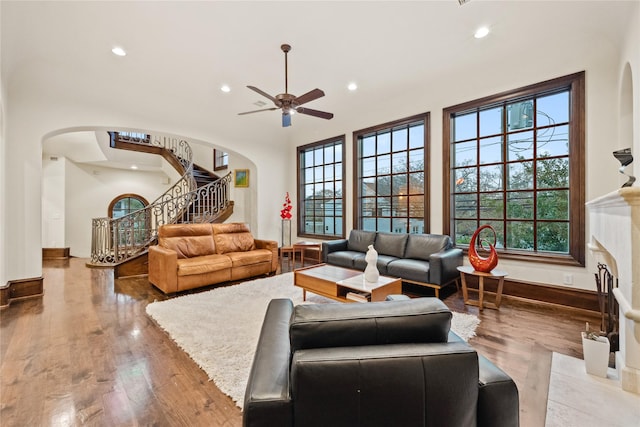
[416, 160]
[520, 205]
[491, 206]
[416, 136]
[400, 184]
[369, 146]
[491, 121]
[553, 173]
[520, 146]
[491, 178]
[465, 153]
[384, 185]
[466, 180]
[520, 115]
[384, 224]
[491, 150]
[464, 231]
[416, 225]
[416, 206]
[338, 153]
[399, 225]
[466, 206]
[384, 143]
[553, 237]
[400, 139]
[553, 109]
[368, 187]
[520, 235]
[416, 183]
[520, 176]
[464, 127]
[553, 205]
[384, 164]
[308, 160]
[369, 224]
[553, 141]
[328, 173]
[369, 166]
[328, 154]
[308, 175]
[318, 158]
[399, 162]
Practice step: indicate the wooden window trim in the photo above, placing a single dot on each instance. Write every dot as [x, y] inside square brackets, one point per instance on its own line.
[576, 83]
[300, 186]
[426, 118]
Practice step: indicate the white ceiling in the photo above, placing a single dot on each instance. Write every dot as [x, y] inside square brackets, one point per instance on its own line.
[180, 53]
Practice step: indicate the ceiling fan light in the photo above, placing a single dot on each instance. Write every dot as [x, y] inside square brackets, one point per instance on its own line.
[225, 88]
[481, 32]
[118, 51]
[352, 86]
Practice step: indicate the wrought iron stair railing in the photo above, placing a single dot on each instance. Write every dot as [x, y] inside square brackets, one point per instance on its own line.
[114, 240]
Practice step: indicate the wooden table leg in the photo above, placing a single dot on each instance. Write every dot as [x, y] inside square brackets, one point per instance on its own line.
[304, 295]
[499, 292]
[465, 295]
[480, 292]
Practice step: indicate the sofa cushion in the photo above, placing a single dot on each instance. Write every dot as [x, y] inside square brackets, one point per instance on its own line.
[187, 240]
[392, 244]
[359, 240]
[203, 264]
[256, 256]
[333, 325]
[345, 258]
[409, 269]
[233, 237]
[422, 246]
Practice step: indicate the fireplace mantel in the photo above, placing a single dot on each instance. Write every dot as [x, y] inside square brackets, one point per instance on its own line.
[615, 241]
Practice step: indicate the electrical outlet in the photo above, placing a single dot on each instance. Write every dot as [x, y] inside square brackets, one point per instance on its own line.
[568, 279]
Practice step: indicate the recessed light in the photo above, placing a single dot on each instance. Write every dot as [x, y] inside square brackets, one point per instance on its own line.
[134, 167]
[118, 51]
[481, 32]
[352, 86]
[225, 88]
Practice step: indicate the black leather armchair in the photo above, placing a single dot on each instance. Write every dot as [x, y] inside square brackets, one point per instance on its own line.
[392, 363]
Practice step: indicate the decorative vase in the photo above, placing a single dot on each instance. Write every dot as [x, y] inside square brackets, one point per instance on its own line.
[479, 263]
[596, 355]
[371, 273]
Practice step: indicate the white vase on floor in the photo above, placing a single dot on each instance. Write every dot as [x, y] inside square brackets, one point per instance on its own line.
[596, 355]
[371, 273]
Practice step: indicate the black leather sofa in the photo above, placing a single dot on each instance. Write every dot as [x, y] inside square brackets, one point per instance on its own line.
[423, 259]
[392, 363]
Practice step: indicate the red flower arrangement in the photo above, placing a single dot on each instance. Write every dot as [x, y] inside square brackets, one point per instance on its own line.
[285, 213]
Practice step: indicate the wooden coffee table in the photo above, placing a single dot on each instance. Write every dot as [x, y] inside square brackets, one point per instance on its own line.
[337, 282]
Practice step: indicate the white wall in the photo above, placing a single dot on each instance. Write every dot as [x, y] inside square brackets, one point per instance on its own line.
[89, 191]
[53, 202]
[603, 65]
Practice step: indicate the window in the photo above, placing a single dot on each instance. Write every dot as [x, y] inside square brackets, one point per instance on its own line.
[220, 160]
[320, 193]
[133, 136]
[517, 163]
[391, 181]
[137, 226]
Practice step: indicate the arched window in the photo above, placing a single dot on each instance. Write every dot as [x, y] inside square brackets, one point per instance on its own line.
[125, 204]
[136, 230]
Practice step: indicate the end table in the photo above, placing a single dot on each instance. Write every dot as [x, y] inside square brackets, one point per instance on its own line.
[493, 274]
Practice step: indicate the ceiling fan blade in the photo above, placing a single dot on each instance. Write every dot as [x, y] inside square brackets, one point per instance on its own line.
[315, 113]
[309, 96]
[265, 94]
[257, 111]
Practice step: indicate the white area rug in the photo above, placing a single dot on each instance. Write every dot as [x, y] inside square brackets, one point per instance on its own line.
[577, 399]
[219, 329]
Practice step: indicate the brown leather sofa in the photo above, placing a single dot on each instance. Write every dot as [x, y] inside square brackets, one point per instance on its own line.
[188, 256]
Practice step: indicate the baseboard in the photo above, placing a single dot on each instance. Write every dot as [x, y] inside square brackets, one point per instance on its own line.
[55, 253]
[580, 299]
[21, 289]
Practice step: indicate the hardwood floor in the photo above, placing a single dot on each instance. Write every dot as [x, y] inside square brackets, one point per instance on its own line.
[87, 354]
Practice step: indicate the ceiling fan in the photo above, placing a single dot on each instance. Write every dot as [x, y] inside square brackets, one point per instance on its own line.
[290, 103]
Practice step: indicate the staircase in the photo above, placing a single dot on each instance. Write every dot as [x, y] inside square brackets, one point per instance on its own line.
[198, 196]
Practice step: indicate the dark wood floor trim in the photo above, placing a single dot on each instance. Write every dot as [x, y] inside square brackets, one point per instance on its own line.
[55, 253]
[20, 289]
[575, 298]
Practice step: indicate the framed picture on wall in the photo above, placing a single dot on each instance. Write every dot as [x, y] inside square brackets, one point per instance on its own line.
[241, 177]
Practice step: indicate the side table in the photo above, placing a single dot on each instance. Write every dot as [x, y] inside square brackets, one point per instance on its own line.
[494, 274]
[301, 247]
